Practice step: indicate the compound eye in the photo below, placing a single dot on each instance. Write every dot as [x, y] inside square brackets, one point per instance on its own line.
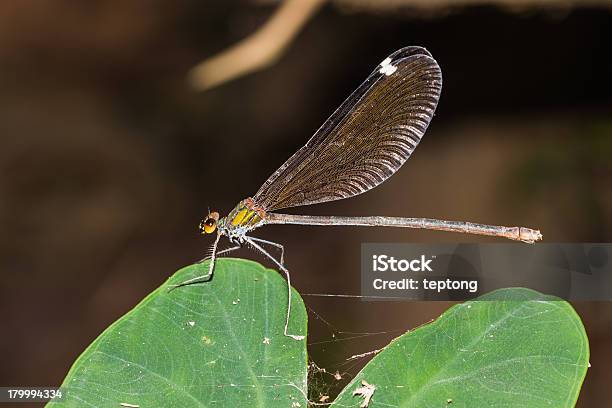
[209, 226]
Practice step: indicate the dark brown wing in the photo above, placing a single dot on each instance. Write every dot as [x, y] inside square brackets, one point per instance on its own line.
[366, 139]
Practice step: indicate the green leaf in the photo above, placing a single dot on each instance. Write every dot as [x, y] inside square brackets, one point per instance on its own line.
[219, 343]
[511, 348]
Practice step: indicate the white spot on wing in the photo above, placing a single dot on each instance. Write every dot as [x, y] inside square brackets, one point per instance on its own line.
[386, 67]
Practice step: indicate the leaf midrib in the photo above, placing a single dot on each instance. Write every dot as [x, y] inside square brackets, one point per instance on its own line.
[245, 358]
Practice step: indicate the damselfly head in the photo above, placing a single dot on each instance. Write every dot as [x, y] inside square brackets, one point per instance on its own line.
[209, 224]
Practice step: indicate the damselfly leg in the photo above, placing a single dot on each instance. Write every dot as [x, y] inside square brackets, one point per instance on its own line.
[287, 275]
[274, 244]
[211, 266]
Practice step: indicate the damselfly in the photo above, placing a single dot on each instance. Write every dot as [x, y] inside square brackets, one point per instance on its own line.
[365, 141]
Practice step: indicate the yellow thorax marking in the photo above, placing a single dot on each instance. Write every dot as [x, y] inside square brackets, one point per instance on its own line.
[243, 217]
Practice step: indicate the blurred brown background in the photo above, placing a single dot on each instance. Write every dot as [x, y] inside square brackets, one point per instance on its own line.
[108, 158]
